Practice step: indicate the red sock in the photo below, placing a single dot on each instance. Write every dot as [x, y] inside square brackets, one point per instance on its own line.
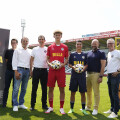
[61, 104]
[51, 102]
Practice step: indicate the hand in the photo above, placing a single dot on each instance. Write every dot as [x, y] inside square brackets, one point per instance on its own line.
[17, 75]
[115, 74]
[99, 80]
[73, 67]
[82, 71]
[62, 65]
[50, 65]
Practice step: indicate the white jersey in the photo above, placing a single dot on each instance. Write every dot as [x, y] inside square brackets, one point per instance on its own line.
[40, 57]
[113, 61]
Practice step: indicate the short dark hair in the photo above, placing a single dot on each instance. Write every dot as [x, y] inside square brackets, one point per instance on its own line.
[14, 40]
[41, 36]
[79, 41]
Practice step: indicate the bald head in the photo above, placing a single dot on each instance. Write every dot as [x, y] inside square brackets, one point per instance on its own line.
[95, 44]
[95, 41]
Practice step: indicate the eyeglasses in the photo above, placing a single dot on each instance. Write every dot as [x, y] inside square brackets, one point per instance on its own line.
[41, 39]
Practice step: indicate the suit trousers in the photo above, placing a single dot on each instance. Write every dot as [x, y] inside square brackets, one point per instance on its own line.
[39, 75]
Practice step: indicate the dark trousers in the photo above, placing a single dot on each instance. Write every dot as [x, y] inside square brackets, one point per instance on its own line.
[113, 86]
[39, 74]
[9, 75]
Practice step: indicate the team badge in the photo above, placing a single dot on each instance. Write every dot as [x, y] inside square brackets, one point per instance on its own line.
[62, 49]
[112, 56]
[52, 48]
[83, 57]
[74, 56]
[45, 51]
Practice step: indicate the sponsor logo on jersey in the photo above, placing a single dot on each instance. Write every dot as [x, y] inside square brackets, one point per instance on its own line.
[1, 59]
[78, 62]
[57, 54]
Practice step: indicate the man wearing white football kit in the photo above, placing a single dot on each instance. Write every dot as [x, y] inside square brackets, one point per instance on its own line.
[113, 70]
[39, 73]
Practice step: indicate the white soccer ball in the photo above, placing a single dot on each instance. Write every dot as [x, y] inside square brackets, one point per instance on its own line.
[79, 68]
[55, 64]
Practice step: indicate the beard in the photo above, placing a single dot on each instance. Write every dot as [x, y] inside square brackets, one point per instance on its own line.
[94, 48]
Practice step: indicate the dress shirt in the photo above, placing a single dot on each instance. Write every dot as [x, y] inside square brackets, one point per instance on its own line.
[21, 58]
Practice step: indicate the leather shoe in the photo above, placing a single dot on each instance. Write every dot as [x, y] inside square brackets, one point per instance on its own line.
[4, 106]
[32, 108]
[45, 107]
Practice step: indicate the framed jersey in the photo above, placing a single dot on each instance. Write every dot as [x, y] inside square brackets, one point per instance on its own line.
[117, 43]
[117, 46]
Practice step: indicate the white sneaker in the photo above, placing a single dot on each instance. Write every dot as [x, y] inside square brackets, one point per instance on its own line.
[95, 112]
[15, 108]
[88, 109]
[108, 112]
[50, 109]
[23, 106]
[112, 115]
[62, 111]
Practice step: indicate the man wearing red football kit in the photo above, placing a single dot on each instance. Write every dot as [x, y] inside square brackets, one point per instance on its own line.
[57, 51]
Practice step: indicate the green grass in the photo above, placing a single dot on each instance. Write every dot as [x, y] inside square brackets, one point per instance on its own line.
[38, 114]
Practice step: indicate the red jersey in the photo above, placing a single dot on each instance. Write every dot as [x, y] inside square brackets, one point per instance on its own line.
[57, 52]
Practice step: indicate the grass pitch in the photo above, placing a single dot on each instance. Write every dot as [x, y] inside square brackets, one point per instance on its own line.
[38, 113]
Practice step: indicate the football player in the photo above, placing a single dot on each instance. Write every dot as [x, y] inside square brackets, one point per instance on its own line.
[78, 79]
[57, 51]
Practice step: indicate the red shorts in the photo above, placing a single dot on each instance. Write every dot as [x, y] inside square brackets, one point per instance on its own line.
[56, 75]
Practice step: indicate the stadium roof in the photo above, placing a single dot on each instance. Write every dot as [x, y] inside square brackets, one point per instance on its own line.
[86, 39]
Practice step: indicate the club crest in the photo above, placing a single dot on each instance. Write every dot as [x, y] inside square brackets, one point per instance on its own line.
[112, 56]
[83, 57]
[62, 49]
[45, 51]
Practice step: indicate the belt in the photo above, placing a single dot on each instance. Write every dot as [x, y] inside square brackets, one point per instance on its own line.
[40, 68]
[24, 68]
[110, 73]
[92, 72]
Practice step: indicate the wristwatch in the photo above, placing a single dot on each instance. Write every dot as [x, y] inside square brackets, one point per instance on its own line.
[100, 76]
[118, 70]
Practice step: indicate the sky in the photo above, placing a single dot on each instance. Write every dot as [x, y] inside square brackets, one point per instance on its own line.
[73, 17]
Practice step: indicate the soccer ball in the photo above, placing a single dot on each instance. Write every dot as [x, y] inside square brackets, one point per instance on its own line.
[55, 64]
[79, 68]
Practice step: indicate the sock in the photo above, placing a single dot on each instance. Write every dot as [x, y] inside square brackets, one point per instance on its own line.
[61, 104]
[71, 104]
[51, 102]
[83, 106]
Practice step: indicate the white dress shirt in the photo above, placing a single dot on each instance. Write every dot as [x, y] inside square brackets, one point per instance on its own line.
[21, 58]
[113, 61]
[40, 57]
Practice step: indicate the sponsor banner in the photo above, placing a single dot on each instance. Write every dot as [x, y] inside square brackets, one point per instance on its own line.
[4, 41]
